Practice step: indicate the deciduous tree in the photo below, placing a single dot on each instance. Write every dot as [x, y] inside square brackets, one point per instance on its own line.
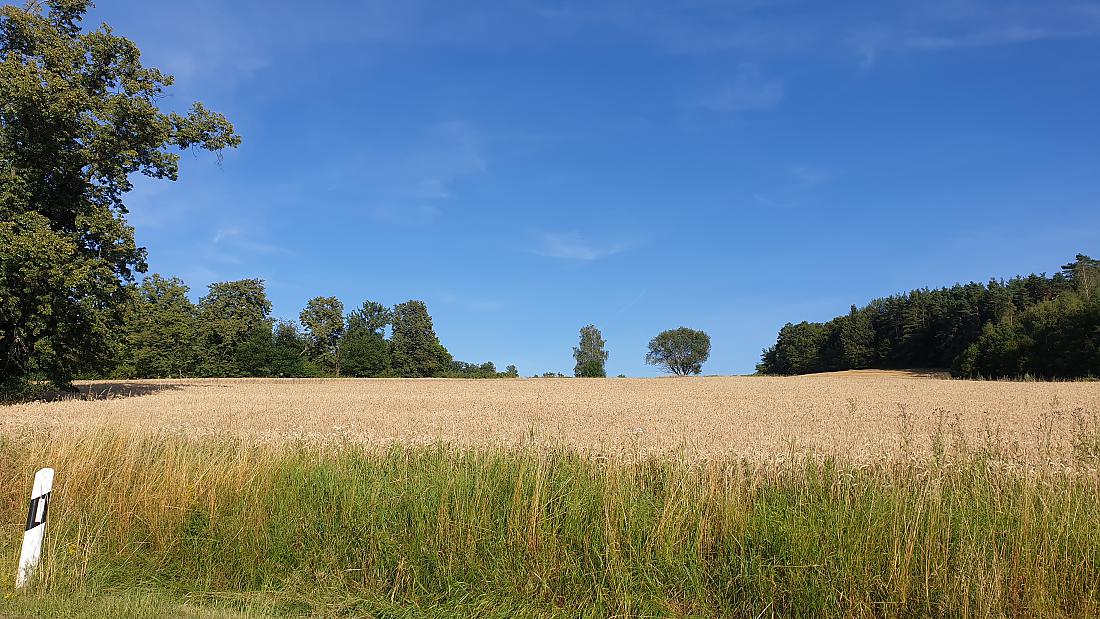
[160, 337]
[590, 354]
[416, 350]
[323, 319]
[371, 316]
[230, 314]
[78, 116]
[680, 351]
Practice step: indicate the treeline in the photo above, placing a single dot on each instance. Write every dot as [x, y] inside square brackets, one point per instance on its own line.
[1040, 326]
[231, 332]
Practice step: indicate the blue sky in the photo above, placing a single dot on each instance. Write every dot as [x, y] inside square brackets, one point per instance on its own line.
[527, 168]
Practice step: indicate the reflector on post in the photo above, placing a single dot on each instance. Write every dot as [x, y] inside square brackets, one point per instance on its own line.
[36, 526]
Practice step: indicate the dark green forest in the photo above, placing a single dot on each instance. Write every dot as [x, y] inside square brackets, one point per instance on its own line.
[1036, 326]
[230, 332]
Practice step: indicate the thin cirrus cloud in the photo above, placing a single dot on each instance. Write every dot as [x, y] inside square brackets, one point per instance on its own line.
[796, 186]
[988, 38]
[749, 90]
[976, 25]
[572, 246]
[236, 238]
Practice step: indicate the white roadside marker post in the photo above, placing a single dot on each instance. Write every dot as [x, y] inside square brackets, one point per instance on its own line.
[36, 526]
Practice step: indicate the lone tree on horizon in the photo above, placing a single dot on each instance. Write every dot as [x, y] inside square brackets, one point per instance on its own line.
[679, 351]
[590, 354]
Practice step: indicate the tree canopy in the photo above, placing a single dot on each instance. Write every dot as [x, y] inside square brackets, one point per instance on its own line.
[590, 354]
[416, 350]
[323, 319]
[679, 351]
[1047, 327]
[78, 116]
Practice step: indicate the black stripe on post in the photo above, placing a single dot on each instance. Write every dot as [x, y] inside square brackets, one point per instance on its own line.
[32, 513]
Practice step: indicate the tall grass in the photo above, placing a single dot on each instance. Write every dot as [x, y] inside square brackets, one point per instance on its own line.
[147, 525]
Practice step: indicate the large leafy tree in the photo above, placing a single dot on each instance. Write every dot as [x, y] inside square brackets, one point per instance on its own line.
[680, 351]
[590, 354]
[323, 319]
[371, 316]
[364, 350]
[416, 350]
[160, 336]
[229, 315]
[364, 353]
[78, 116]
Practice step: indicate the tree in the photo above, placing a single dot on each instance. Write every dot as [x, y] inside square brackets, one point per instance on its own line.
[416, 350]
[78, 117]
[372, 316]
[160, 336]
[1084, 273]
[323, 319]
[364, 353]
[1047, 327]
[796, 351]
[229, 315]
[289, 358]
[511, 372]
[856, 340]
[680, 351]
[590, 354]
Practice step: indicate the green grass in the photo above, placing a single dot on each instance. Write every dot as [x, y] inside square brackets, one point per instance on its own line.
[166, 526]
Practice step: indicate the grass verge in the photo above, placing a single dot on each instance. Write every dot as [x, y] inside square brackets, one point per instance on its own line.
[168, 526]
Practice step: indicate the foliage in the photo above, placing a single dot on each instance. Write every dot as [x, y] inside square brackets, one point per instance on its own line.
[272, 529]
[160, 338]
[364, 353]
[372, 316]
[78, 116]
[680, 351]
[1037, 325]
[230, 314]
[323, 319]
[590, 354]
[278, 354]
[461, 369]
[230, 333]
[415, 348]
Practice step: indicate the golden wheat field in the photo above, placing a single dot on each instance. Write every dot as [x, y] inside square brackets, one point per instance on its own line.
[858, 415]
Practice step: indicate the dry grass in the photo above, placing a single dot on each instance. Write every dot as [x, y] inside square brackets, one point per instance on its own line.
[940, 500]
[861, 416]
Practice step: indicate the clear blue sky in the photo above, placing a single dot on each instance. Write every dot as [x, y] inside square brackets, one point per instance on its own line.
[530, 167]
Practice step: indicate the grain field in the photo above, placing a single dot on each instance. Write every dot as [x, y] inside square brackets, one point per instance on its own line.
[857, 415]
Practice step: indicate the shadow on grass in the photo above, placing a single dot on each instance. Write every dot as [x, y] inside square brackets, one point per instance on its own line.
[108, 391]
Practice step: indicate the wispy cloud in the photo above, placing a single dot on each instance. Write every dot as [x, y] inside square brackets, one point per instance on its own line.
[748, 90]
[984, 38]
[238, 240]
[768, 29]
[973, 24]
[406, 182]
[453, 151]
[572, 246]
[795, 185]
[637, 298]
